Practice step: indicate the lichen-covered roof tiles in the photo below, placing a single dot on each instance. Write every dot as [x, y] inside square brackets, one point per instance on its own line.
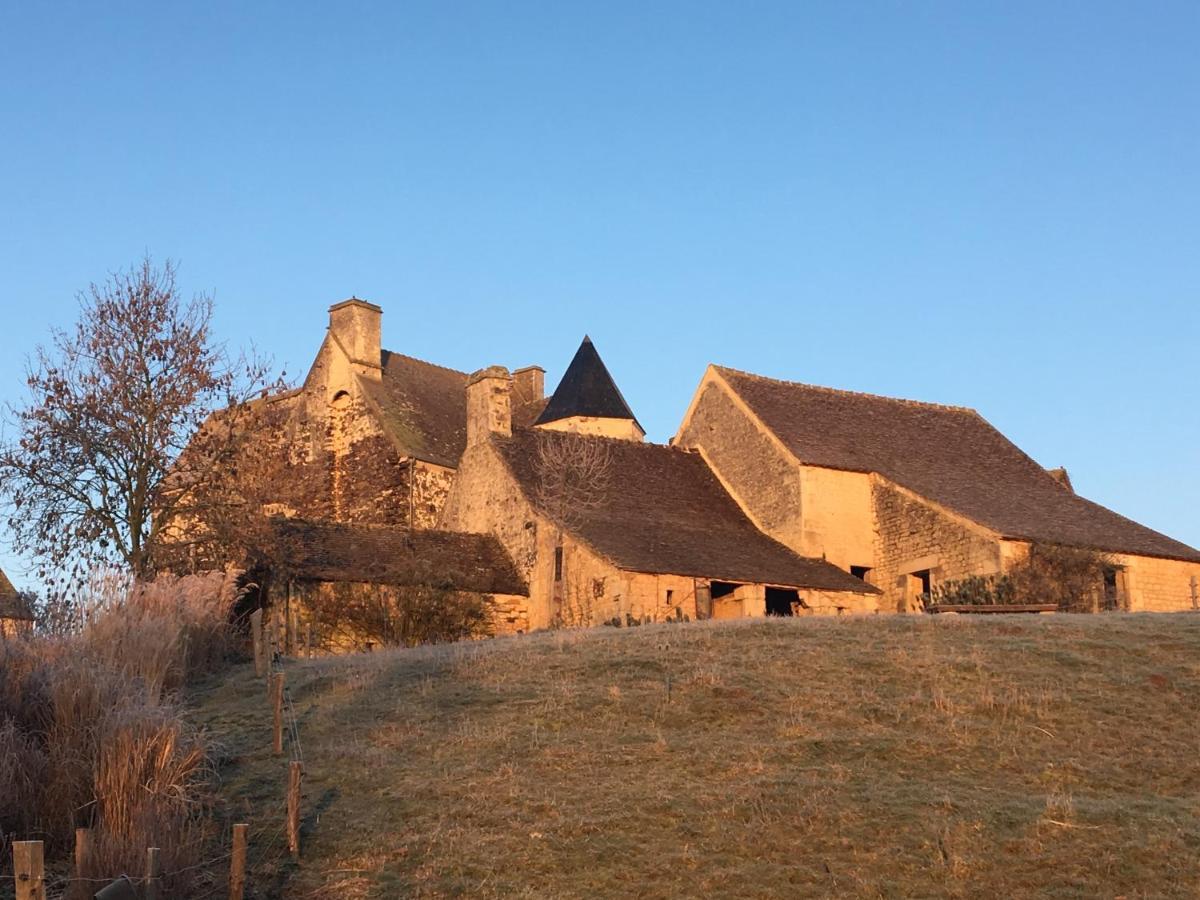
[422, 406]
[330, 551]
[664, 512]
[950, 455]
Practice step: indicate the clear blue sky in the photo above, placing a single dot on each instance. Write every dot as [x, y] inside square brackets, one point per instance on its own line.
[995, 205]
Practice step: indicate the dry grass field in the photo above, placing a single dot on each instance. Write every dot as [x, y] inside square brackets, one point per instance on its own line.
[1051, 756]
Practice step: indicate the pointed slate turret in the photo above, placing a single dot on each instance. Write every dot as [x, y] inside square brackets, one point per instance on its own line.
[587, 390]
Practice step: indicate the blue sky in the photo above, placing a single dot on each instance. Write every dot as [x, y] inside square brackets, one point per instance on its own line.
[993, 205]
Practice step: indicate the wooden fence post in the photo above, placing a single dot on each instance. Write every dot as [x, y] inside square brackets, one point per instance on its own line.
[256, 635]
[293, 808]
[237, 864]
[28, 870]
[153, 871]
[83, 849]
[277, 702]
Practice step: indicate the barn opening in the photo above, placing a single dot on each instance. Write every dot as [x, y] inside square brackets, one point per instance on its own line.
[724, 600]
[780, 601]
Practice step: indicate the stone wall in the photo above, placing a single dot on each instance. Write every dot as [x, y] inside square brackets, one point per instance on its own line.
[912, 535]
[484, 499]
[599, 426]
[763, 479]
[838, 521]
[332, 460]
[1158, 585]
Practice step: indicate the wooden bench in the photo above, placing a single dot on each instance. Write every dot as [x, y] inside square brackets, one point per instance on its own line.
[991, 608]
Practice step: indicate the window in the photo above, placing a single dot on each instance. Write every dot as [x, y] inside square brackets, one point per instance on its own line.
[860, 571]
[670, 597]
[558, 563]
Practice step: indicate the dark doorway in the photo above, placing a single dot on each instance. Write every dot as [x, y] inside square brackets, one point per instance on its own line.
[1113, 593]
[721, 589]
[926, 578]
[780, 600]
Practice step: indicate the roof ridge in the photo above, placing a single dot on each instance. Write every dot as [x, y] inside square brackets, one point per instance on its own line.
[848, 393]
[423, 362]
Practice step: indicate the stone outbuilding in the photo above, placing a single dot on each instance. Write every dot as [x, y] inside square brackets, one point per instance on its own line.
[907, 494]
[608, 529]
[16, 616]
[313, 566]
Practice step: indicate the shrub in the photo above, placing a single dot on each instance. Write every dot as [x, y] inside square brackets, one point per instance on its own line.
[92, 730]
[357, 615]
[1071, 578]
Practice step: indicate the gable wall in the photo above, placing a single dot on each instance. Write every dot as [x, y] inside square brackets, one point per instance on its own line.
[762, 479]
[336, 462]
[912, 535]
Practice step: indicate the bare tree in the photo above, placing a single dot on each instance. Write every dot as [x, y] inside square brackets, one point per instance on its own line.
[93, 476]
[573, 475]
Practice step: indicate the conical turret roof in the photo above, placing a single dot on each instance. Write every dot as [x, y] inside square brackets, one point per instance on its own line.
[587, 389]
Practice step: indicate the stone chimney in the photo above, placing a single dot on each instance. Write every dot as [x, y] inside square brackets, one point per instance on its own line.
[529, 384]
[489, 404]
[356, 325]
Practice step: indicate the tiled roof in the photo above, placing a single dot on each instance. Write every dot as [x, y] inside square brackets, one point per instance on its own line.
[422, 406]
[664, 512]
[329, 551]
[947, 454]
[586, 389]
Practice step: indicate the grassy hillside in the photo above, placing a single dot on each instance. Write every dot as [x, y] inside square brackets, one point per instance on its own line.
[885, 757]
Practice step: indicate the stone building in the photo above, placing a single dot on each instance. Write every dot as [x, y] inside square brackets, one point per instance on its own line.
[908, 494]
[606, 528]
[16, 618]
[315, 567]
[773, 497]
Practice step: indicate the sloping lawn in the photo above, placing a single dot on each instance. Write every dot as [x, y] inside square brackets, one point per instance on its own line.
[1017, 756]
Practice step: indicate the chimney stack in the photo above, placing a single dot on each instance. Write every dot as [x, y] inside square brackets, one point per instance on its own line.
[529, 384]
[489, 404]
[356, 325]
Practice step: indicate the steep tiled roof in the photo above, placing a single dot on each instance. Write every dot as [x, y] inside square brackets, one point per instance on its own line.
[664, 512]
[328, 551]
[586, 389]
[422, 406]
[949, 455]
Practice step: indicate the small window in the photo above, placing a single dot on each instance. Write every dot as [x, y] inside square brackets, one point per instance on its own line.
[670, 597]
[558, 563]
[860, 571]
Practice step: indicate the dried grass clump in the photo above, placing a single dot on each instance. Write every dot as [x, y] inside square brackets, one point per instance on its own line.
[92, 730]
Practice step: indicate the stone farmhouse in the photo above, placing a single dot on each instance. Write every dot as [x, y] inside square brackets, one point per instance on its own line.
[773, 498]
